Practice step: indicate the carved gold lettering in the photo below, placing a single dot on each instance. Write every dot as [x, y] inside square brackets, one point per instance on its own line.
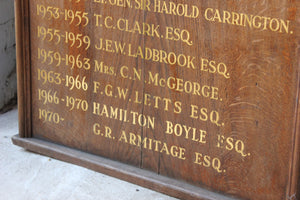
[118, 3]
[146, 53]
[177, 34]
[103, 68]
[180, 85]
[213, 67]
[56, 58]
[122, 115]
[232, 144]
[250, 21]
[108, 21]
[187, 132]
[142, 120]
[152, 144]
[179, 9]
[48, 96]
[142, 5]
[162, 56]
[205, 115]
[76, 103]
[131, 73]
[208, 161]
[106, 132]
[158, 102]
[98, 17]
[110, 112]
[96, 86]
[49, 116]
[110, 46]
[110, 91]
[137, 27]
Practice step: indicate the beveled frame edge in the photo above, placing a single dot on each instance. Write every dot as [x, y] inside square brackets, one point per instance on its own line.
[135, 175]
[293, 192]
[22, 22]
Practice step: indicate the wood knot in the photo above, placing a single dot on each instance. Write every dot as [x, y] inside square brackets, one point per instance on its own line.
[293, 197]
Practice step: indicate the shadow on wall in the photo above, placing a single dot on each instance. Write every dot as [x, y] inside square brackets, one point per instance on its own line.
[10, 92]
[8, 80]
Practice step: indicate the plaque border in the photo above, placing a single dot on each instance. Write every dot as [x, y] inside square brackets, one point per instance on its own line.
[22, 23]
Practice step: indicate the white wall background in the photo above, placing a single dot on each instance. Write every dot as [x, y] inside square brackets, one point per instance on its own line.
[8, 83]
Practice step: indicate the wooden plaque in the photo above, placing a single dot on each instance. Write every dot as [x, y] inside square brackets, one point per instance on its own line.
[193, 98]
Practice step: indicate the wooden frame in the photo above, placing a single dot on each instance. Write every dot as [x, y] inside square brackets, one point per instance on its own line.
[23, 67]
[113, 168]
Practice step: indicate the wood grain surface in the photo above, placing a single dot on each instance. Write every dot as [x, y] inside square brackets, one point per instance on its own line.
[204, 92]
